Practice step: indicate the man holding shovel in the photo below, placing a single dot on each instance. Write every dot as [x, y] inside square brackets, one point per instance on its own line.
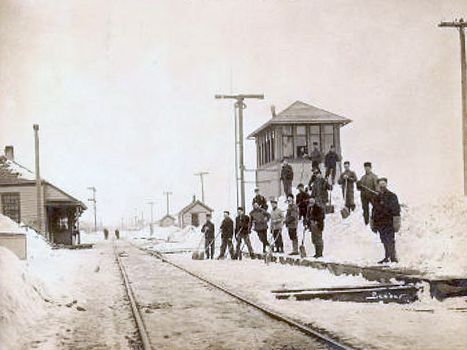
[208, 230]
[259, 221]
[291, 221]
[277, 220]
[227, 228]
[242, 233]
[347, 181]
[368, 187]
[315, 220]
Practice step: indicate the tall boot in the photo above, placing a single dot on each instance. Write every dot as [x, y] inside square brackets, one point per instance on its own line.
[294, 247]
[386, 254]
[392, 252]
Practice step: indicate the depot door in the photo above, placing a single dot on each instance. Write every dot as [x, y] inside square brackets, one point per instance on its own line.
[195, 219]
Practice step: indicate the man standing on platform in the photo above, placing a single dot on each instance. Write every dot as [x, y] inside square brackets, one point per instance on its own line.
[286, 176]
[227, 228]
[330, 162]
[302, 201]
[315, 220]
[208, 230]
[242, 233]
[316, 157]
[277, 220]
[319, 188]
[259, 218]
[368, 187]
[386, 220]
[291, 221]
[347, 181]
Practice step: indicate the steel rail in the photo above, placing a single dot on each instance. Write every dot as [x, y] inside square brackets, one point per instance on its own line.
[143, 334]
[332, 343]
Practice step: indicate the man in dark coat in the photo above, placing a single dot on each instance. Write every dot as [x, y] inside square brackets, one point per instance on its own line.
[302, 201]
[209, 244]
[330, 162]
[319, 188]
[242, 233]
[347, 180]
[316, 157]
[227, 230]
[291, 222]
[258, 198]
[315, 221]
[368, 187]
[259, 222]
[386, 219]
[286, 176]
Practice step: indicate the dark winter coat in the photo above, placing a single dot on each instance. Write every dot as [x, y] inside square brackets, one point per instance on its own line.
[316, 213]
[227, 228]
[319, 190]
[242, 223]
[331, 159]
[259, 219]
[287, 172]
[385, 207]
[208, 229]
[261, 201]
[291, 217]
[302, 200]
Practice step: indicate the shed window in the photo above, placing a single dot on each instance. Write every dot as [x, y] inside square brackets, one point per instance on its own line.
[11, 206]
[314, 137]
[327, 137]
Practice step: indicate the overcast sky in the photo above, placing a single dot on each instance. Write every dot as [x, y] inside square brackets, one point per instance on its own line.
[123, 90]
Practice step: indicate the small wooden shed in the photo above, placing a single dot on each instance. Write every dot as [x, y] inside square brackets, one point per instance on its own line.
[194, 214]
[293, 133]
[167, 221]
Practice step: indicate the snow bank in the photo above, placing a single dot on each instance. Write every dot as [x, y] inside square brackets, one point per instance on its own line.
[20, 301]
[9, 226]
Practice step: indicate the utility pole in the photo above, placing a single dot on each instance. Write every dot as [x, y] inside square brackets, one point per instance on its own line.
[151, 228]
[201, 177]
[240, 106]
[39, 202]
[94, 205]
[460, 25]
[168, 194]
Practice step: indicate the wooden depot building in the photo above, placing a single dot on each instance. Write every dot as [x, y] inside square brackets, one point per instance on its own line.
[59, 214]
[293, 133]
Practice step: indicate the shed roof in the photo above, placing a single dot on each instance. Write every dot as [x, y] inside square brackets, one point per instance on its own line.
[193, 204]
[302, 113]
[167, 216]
[12, 173]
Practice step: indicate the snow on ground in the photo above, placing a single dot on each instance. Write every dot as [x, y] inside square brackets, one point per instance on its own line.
[426, 324]
[21, 302]
[9, 226]
[432, 240]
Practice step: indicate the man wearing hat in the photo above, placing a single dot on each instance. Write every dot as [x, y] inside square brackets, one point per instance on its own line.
[386, 219]
[227, 228]
[209, 244]
[330, 162]
[302, 201]
[319, 188]
[258, 198]
[291, 221]
[316, 157]
[347, 181]
[259, 218]
[368, 187]
[277, 220]
[286, 176]
[242, 233]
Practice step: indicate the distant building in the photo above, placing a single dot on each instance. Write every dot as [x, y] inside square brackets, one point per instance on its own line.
[193, 214]
[293, 133]
[167, 221]
[18, 201]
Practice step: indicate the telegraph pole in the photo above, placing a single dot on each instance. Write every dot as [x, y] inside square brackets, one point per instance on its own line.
[201, 177]
[460, 25]
[240, 106]
[94, 205]
[151, 229]
[168, 194]
[39, 204]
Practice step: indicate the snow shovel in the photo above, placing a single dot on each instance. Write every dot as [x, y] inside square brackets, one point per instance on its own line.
[268, 256]
[302, 246]
[345, 212]
[198, 255]
[329, 208]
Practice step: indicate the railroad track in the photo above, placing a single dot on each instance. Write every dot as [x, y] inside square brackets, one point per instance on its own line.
[308, 330]
[145, 343]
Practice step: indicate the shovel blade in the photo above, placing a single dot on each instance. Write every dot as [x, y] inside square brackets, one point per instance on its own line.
[345, 213]
[302, 251]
